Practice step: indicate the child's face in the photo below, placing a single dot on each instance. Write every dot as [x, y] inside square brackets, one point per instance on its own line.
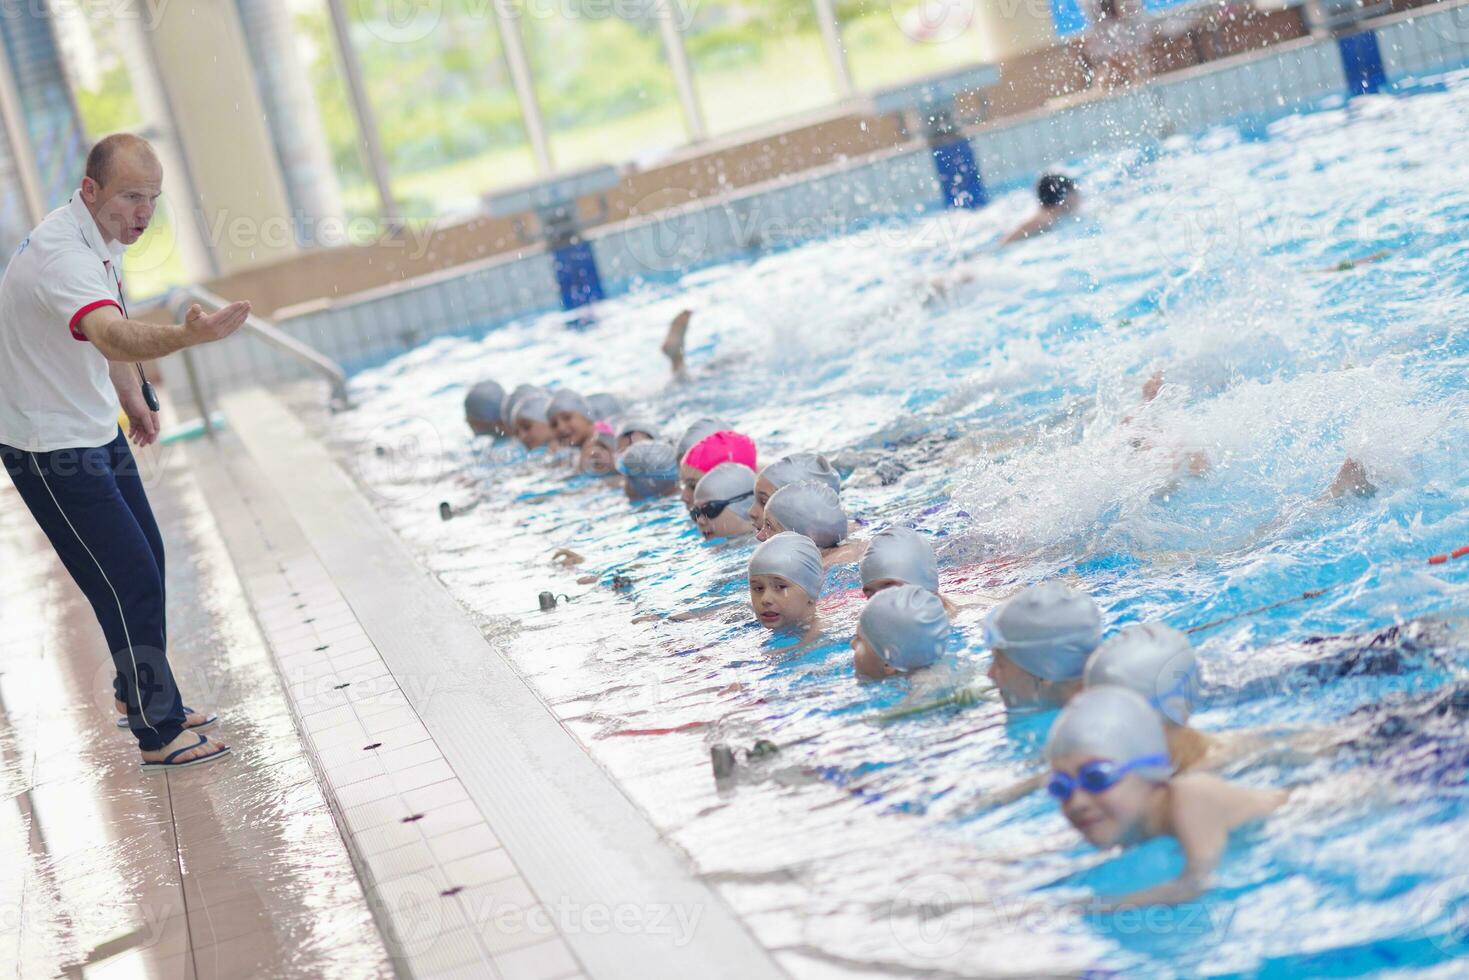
[571, 428]
[597, 459]
[877, 585]
[867, 662]
[763, 489]
[688, 478]
[767, 528]
[533, 435]
[1018, 687]
[1111, 817]
[726, 525]
[779, 604]
[630, 439]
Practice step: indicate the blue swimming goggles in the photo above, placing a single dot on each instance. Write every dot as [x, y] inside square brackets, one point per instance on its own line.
[1099, 776]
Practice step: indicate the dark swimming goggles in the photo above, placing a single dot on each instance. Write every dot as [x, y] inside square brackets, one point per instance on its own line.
[713, 508]
[1099, 776]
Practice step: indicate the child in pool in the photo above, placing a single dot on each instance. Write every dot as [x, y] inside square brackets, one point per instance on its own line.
[708, 452]
[1157, 663]
[599, 453]
[605, 407]
[795, 468]
[674, 342]
[904, 628]
[722, 501]
[482, 406]
[898, 555]
[1111, 774]
[1058, 198]
[786, 578]
[1040, 639]
[633, 429]
[571, 418]
[649, 470]
[532, 425]
[813, 509]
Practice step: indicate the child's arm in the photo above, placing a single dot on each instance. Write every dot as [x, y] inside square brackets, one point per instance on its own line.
[1199, 812]
[1014, 791]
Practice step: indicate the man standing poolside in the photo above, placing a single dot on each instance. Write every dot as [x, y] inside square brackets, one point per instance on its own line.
[67, 353]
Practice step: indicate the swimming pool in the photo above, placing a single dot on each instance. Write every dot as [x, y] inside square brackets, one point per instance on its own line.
[1007, 417]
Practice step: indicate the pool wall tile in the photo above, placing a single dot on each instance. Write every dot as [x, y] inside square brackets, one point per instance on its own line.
[1424, 42]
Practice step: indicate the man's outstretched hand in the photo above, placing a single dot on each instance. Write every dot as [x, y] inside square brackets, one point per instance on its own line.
[204, 328]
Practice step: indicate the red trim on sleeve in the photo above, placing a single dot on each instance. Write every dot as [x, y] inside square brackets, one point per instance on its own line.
[77, 316]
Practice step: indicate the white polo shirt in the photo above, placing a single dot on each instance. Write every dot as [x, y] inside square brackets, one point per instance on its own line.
[55, 392]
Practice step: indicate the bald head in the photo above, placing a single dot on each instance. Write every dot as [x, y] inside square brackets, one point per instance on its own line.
[122, 185]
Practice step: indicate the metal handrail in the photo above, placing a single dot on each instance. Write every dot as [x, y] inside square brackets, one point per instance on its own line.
[182, 297]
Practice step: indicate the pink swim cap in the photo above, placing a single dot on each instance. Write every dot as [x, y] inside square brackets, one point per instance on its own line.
[721, 447]
[604, 427]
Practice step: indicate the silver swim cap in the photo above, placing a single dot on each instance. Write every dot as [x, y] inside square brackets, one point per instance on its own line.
[507, 407]
[697, 433]
[799, 467]
[604, 406]
[1156, 661]
[1048, 630]
[812, 509]
[901, 554]
[567, 400]
[483, 401]
[794, 558]
[650, 468]
[637, 423]
[1111, 723]
[726, 482]
[906, 626]
[534, 407]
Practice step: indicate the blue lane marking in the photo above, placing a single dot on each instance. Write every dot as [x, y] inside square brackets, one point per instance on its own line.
[576, 275]
[1068, 17]
[1362, 59]
[959, 174]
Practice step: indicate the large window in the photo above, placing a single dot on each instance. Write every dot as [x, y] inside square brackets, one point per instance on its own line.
[439, 90]
[756, 60]
[97, 58]
[602, 80]
[898, 41]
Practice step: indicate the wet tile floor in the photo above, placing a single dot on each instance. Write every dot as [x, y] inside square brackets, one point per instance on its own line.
[236, 869]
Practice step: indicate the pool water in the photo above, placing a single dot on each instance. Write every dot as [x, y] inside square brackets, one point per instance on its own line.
[1005, 419]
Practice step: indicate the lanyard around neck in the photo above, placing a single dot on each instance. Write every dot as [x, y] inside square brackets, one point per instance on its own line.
[149, 395]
